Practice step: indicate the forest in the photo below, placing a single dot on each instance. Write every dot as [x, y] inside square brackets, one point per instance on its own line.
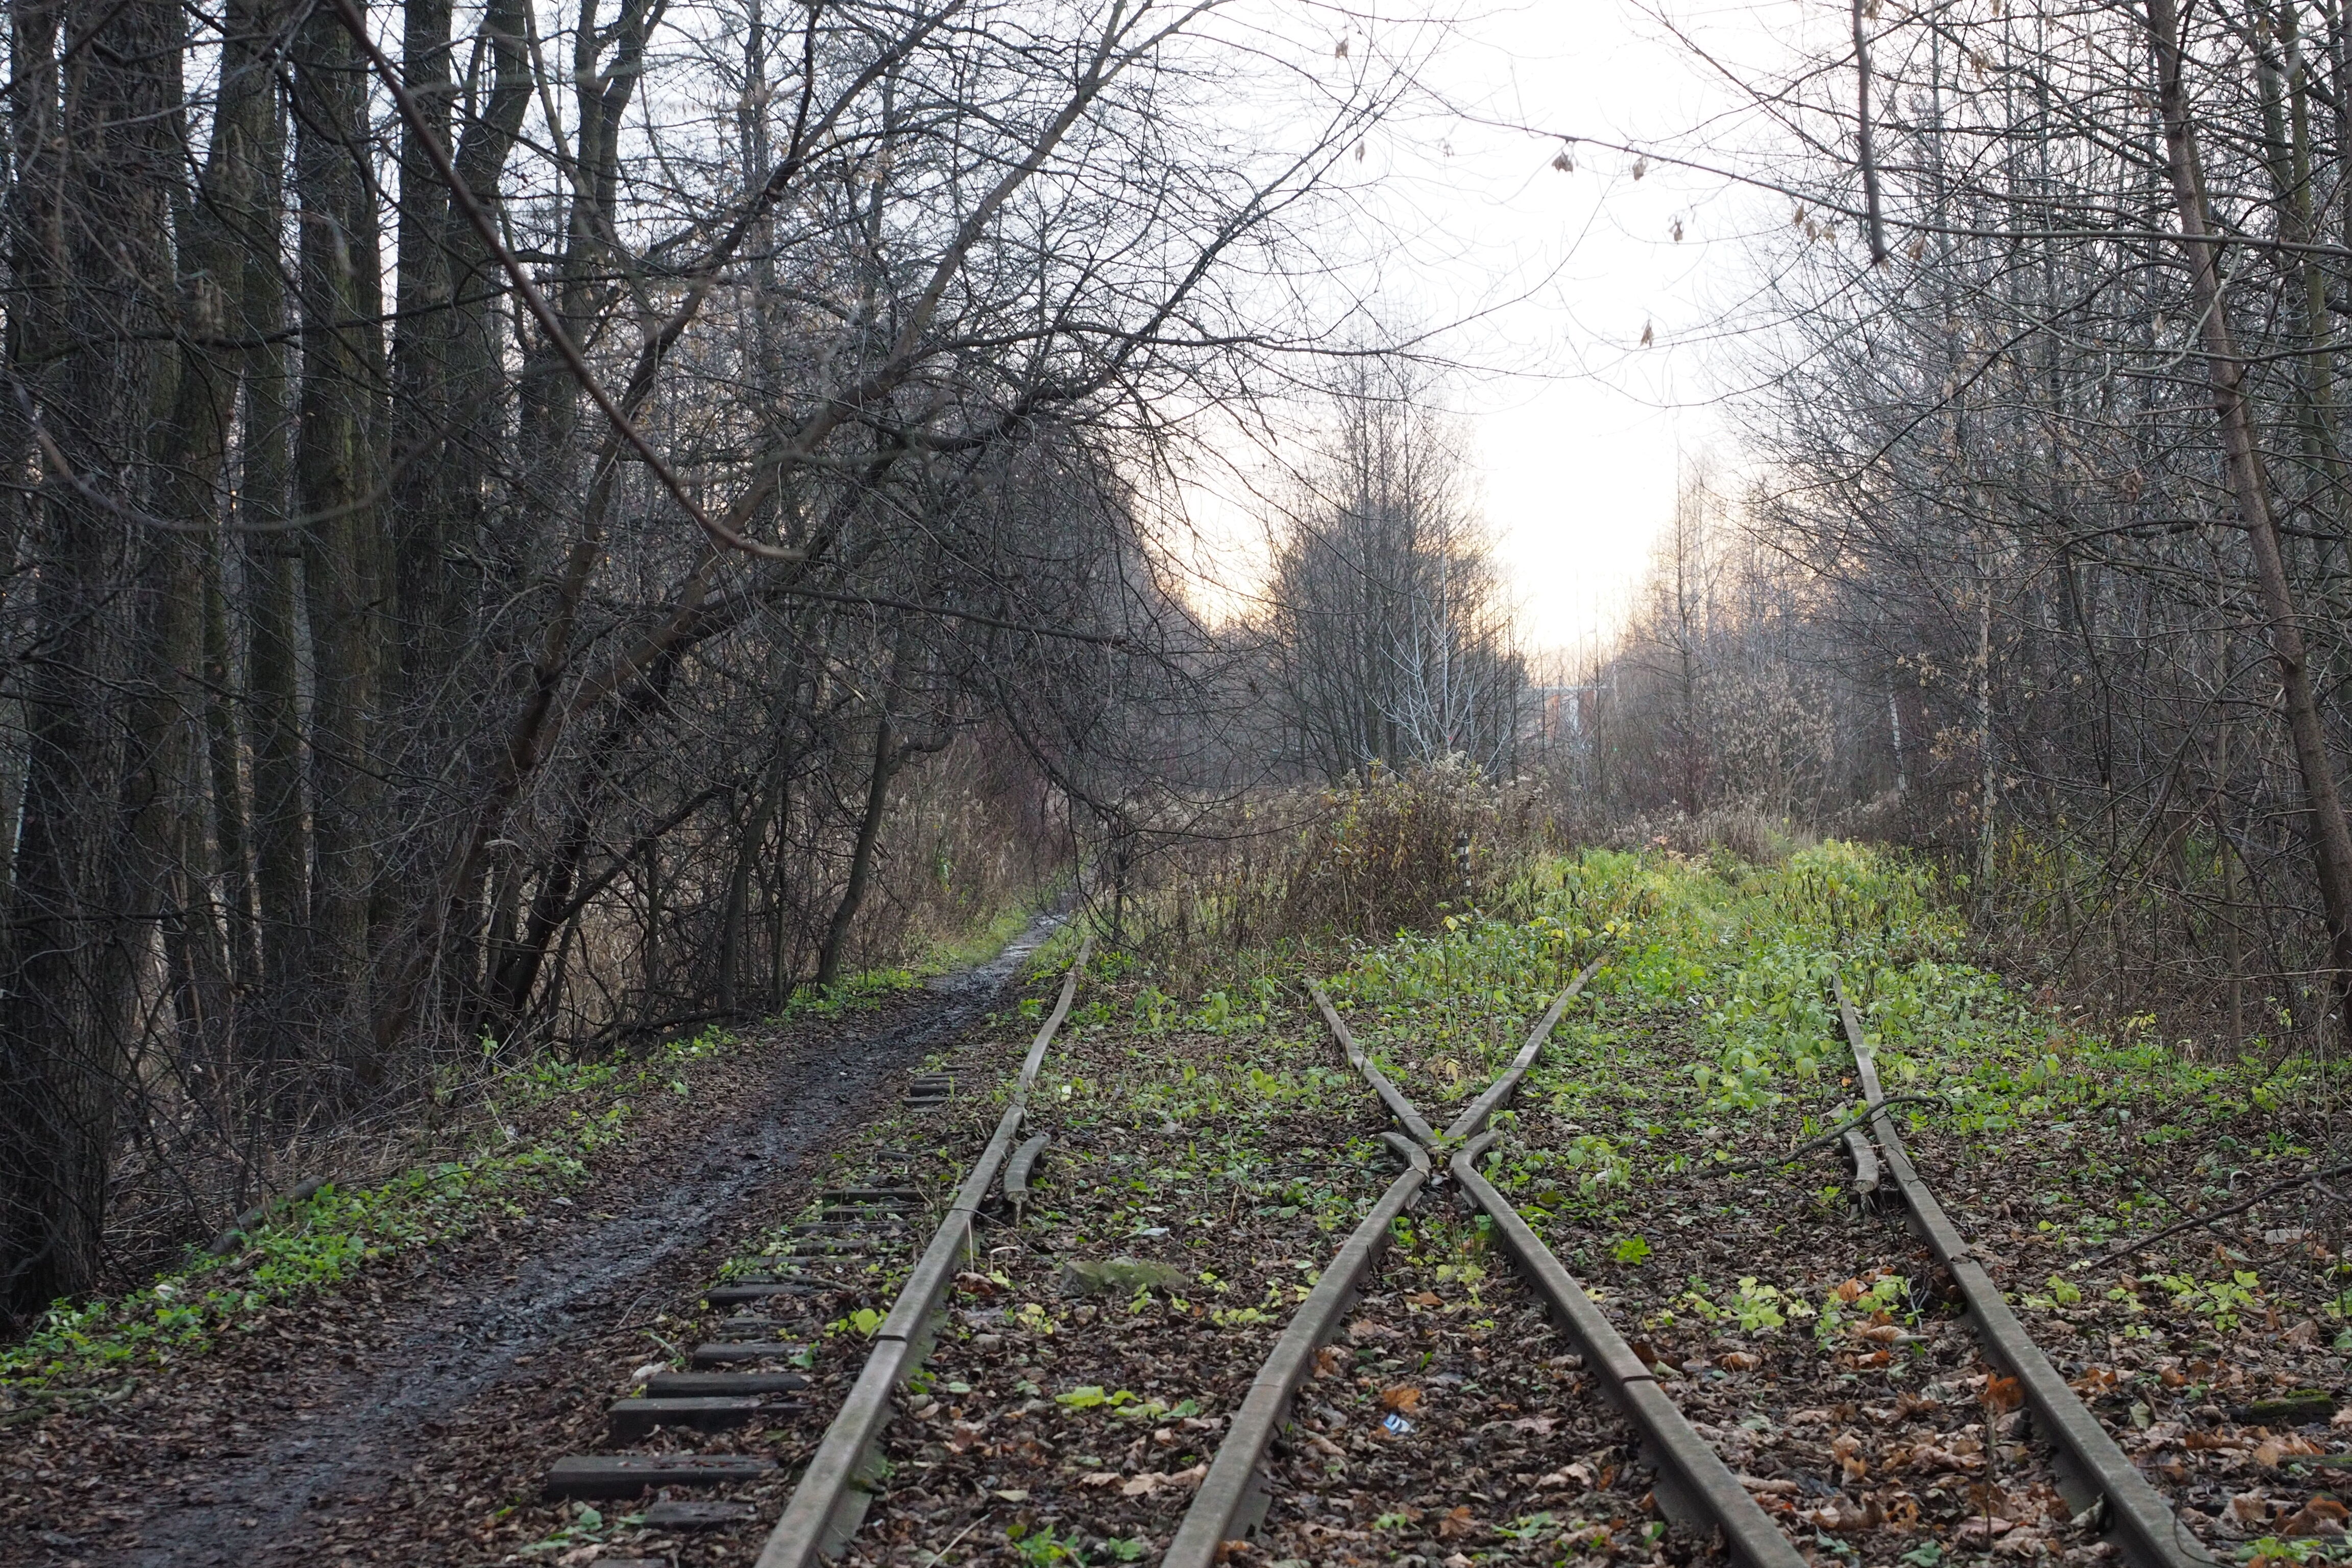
[531, 530]
[2043, 564]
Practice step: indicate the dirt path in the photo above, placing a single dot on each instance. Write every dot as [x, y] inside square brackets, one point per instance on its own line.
[312, 1433]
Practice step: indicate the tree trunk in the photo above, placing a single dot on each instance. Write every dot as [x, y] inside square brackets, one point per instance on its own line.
[335, 483]
[2331, 835]
[886, 757]
[92, 235]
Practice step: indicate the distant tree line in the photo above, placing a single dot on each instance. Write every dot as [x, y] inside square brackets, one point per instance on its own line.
[1387, 637]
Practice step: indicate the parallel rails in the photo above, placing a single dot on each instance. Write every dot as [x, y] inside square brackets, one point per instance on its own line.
[834, 1492]
[2093, 1472]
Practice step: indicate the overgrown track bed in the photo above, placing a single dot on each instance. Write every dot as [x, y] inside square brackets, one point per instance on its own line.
[684, 1450]
[1094, 1350]
[1816, 1342]
[1460, 1410]
[2217, 1355]
[1451, 1419]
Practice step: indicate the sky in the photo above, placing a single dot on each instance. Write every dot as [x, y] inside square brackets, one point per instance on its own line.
[1579, 431]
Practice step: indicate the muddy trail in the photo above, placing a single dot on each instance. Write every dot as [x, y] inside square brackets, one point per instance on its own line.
[323, 1434]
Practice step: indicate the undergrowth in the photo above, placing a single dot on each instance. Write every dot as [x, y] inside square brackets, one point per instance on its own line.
[1712, 1038]
[543, 1118]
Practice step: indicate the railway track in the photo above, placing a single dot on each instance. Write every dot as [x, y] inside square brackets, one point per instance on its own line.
[1415, 1397]
[748, 1369]
[2038, 1446]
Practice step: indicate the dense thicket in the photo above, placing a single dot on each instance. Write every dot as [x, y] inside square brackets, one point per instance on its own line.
[530, 522]
[2052, 531]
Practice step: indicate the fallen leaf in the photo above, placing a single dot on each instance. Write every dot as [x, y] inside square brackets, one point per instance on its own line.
[1013, 1494]
[2320, 1516]
[1847, 1451]
[1403, 1400]
[2004, 1392]
[1428, 1299]
[1328, 1360]
[2250, 1507]
[1840, 1514]
[1978, 1528]
[1850, 1291]
[1742, 1361]
[1649, 1356]
[1930, 1459]
[2293, 1446]
[1457, 1521]
[1144, 1485]
[1099, 1479]
[1771, 1487]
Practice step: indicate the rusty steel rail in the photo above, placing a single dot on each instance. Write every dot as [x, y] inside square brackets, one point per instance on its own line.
[830, 1502]
[1233, 1495]
[1399, 1107]
[2093, 1472]
[1695, 1488]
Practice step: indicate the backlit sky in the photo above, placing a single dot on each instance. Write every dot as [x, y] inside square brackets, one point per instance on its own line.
[1578, 430]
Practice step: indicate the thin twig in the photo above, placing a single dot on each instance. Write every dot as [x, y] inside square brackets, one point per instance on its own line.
[1832, 1135]
[2115, 1253]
